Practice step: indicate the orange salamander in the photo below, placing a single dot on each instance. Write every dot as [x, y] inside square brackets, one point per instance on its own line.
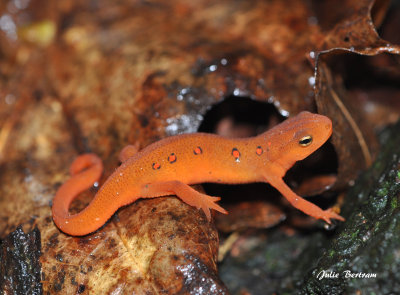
[169, 166]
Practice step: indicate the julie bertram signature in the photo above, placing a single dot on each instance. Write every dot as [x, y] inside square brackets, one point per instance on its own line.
[347, 274]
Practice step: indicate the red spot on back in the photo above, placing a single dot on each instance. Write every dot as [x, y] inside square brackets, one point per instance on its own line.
[156, 166]
[259, 150]
[236, 154]
[198, 151]
[172, 158]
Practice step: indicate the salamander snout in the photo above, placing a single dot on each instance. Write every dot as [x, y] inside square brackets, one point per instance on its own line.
[328, 126]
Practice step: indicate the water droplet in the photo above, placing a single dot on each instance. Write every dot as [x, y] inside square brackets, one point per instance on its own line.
[312, 20]
[284, 113]
[212, 68]
[8, 26]
[10, 98]
[311, 81]
[21, 4]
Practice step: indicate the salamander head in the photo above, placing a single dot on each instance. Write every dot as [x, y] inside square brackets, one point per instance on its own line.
[298, 137]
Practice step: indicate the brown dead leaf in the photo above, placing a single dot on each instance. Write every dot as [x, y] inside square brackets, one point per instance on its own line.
[147, 247]
[249, 215]
[382, 106]
[353, 137]
[316, 185]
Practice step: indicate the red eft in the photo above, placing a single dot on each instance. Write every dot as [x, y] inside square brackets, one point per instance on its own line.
[169, 166]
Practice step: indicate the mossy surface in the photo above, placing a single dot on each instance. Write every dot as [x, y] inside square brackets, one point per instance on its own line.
[368, 243]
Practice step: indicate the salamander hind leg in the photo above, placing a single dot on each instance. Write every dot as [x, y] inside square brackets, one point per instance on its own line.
[187, 194]
[128, 152]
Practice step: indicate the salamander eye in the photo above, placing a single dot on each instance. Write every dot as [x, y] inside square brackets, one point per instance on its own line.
[305, 140]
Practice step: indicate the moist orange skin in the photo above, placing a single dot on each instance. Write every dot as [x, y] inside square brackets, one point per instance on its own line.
[169, 166]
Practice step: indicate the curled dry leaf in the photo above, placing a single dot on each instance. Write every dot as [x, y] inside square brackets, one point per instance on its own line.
[353, 31]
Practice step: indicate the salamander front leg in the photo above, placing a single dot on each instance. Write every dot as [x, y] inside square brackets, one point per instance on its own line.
[187, 194]
[301, 204]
